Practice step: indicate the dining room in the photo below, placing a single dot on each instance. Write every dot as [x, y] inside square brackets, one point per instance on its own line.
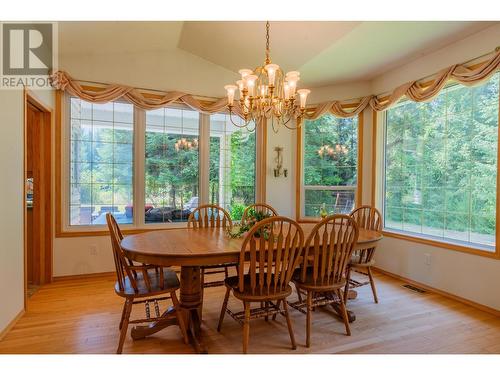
[219, 185]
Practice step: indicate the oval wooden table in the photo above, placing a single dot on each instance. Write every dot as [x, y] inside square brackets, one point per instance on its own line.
[190, 249]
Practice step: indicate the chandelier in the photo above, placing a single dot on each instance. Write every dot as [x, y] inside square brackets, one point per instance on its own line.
[267, 92]
[185, 145]
[332, 152]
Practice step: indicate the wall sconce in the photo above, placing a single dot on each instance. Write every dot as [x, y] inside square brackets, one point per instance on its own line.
[279, 170]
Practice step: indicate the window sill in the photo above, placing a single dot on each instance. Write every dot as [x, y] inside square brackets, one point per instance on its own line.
[494, 254]
[126, 229]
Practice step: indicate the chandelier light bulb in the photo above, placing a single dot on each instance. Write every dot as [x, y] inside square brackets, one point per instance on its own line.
[241, 86]
[230, 89]
[244, 73]
[271, 73]
[250, 82]
[303, 97]
[286, 89]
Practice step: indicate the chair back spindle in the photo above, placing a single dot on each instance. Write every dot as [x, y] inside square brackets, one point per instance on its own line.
[209, 216]
[328, 249]
[272, 250]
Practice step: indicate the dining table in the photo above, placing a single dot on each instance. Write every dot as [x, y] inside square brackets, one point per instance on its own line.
[191, 249]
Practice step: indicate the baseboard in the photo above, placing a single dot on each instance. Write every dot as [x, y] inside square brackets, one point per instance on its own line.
[11, 324]
[91, 275]
[83, 276]
[440, 292]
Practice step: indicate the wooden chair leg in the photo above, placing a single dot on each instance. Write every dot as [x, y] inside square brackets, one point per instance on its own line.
[266, 307]
[123, 314]
[180, 317]
[308, 318]
[246, 327]
[278, 304]
[226, 273]
[372, 283]
[299, 295]
[124, 328]
[289, 324]
[345, 317]
[346, 288]
[223, 309]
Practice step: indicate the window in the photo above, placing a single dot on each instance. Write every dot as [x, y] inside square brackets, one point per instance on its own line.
[151, 169]
[101, 162]
[330, 164]
[172, 164]
[232, 166]
[441, 166]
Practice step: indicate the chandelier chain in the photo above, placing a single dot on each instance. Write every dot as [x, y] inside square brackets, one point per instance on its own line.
[268, 51]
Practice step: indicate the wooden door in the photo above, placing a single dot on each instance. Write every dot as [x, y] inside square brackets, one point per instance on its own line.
[38, 217]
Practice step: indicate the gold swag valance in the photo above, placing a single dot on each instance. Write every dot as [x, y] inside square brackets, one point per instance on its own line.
[417, 91]
[61, 80]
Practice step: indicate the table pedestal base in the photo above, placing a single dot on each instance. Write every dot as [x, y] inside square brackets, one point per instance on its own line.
[190, 304]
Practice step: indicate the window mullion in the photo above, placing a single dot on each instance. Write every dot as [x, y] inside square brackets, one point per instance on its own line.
[204, 157]
[139, 161]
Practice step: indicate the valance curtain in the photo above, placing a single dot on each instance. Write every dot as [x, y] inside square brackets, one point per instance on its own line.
[415, 90]
[61, 80]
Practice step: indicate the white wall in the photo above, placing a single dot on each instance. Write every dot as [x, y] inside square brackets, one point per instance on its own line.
[11, 201]
[280, 191]
[174, 70]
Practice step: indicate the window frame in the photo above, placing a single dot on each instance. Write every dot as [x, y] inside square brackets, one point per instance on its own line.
[300, 187]
[138, 225]
[378, 194]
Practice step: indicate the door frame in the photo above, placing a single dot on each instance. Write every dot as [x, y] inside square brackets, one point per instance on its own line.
[45, 200]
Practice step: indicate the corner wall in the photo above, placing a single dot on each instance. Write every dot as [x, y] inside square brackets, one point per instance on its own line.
[11, 201]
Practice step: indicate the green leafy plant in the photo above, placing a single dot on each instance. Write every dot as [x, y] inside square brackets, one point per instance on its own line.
[253, 217]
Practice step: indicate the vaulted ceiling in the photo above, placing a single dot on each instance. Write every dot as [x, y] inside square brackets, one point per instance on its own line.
[325, 52]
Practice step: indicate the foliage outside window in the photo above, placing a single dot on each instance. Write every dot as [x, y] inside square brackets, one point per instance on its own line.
[232, 166]
[172, 164]
[330, 164]
[441, 165]
[101, 162]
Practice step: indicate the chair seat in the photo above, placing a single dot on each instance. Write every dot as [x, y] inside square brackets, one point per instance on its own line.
[319, 285]
[266, 294]
[170, 283]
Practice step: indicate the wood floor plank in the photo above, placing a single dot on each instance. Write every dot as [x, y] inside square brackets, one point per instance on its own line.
[82, 316]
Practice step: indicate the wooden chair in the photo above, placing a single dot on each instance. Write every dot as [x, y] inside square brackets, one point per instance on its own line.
[141, 284]
[258, 207]
[271, 252]
[366, 217]
[327, 252]
[211, 216]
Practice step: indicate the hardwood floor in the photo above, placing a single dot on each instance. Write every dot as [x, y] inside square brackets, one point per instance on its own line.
[82, 316]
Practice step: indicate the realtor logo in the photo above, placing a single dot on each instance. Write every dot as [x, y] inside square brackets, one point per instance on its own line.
[27, 54]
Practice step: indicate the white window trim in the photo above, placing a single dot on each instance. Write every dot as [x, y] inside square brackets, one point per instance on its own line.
[380, 198]
[139, 170]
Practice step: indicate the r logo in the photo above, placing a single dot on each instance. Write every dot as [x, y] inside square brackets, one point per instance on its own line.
[27, 48]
